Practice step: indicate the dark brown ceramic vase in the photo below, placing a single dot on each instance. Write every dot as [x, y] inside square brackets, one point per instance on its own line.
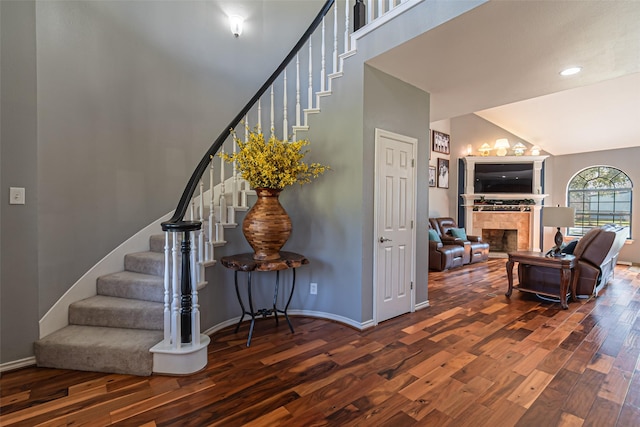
[267, 225]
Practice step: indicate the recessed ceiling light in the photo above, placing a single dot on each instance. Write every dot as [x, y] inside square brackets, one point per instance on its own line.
[570, 71]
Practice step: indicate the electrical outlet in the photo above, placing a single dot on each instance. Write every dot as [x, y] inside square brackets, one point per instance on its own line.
[313, 288]
[16, 196]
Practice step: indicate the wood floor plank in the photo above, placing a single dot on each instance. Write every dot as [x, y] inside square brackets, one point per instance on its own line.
[473, 358]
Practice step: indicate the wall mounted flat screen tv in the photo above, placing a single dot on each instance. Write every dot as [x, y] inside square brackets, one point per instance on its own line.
[503, 178]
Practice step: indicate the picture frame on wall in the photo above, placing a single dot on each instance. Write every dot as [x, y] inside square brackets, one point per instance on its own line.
[440, 142]
[432, 176]
[443, 173]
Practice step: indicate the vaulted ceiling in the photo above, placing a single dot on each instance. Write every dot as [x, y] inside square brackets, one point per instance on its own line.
[502, 60]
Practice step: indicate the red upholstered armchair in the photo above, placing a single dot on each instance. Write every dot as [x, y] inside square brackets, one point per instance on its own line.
[474, 248]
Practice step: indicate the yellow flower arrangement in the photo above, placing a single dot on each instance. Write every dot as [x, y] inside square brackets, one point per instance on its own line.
[274, 163]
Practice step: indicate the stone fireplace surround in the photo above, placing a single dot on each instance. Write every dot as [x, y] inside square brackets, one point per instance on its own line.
[523, 218]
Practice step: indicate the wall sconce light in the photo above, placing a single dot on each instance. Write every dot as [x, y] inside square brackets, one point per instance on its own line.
[535, 150]
[469, 148]
[484, 149]
[501, 146]
[235, 24]
[519, 149]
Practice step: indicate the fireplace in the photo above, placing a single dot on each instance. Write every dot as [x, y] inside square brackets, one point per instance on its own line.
[500, 240]
[504, 211]
[519, 223]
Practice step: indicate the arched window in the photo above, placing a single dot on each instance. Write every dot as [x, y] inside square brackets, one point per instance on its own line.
[601, 195]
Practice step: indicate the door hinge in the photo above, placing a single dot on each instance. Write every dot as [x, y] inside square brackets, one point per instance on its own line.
[411, 285]
[413, 163]
[412, 224]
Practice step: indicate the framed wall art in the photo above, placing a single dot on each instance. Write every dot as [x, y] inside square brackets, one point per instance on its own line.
[443, 173]
[440, 142]
[432, 176]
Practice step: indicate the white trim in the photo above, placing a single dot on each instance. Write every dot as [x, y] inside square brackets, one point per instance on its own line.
[422, 305]
[302, 313]
[381, 20]
[17, 364]
[58, 315]
[414, 143]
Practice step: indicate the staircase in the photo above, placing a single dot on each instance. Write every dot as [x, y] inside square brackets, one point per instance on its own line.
[114, 330]
[133, 323]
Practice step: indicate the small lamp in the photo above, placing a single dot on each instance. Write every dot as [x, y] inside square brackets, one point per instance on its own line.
[519, 149]
[235, 24]
[558, 217]
[501, 146]
[535, 150]
[484, 149]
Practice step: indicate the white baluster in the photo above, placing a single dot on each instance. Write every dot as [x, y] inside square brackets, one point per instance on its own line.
[201, 234]
[391, 5]
[297, 91]
[167, 287]
[259, 116]
[285, 121]
[222, 200]
[380, 8]
[370, 11]
[323, 72]
[310, 90]
[197, 271]
[335, 37]
[212, 217]
[175, 303]
[273, 123]
[346, 26]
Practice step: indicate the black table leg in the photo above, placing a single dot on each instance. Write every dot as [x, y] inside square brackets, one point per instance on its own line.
[240, 301]
[275, 297]
[253, 314]
[293, 286]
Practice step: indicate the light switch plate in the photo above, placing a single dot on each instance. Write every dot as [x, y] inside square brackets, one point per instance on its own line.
[16, 196]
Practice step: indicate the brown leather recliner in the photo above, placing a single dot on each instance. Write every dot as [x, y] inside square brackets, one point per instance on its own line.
[474, 248]
[445, 256]
[596, 256]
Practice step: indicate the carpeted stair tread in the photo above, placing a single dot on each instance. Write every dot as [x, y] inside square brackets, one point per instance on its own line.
[156, 243]
[128, 284]
[100, 349]
[145, 262]
[115, 312]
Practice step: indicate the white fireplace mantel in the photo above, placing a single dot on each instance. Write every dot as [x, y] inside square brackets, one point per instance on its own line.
[537, 196]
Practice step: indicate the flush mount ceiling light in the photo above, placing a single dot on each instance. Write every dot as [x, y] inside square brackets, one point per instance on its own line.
[570, 71]
[235, 24]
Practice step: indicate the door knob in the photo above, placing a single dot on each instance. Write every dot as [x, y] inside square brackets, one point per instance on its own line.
[383, 239]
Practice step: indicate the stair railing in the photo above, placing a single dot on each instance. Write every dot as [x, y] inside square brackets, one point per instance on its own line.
[208, 206]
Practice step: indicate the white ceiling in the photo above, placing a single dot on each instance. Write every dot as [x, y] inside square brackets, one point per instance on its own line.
[502, 60]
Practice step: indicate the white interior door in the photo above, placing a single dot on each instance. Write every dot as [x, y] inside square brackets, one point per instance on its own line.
[394, 215]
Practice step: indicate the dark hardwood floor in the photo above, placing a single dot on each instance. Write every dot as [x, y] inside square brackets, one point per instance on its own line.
[473, 358]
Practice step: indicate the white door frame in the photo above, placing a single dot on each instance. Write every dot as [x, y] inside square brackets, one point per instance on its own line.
[376, 200]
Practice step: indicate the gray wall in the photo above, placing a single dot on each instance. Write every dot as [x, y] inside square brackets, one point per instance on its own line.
[19, 269]
[105, 121]
[560, 169]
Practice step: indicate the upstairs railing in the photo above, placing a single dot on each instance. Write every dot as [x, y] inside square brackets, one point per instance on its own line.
[208, 206]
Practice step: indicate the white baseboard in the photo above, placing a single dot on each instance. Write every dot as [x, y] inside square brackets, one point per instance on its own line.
[306, 313]
[17, 364]
[422, 305]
